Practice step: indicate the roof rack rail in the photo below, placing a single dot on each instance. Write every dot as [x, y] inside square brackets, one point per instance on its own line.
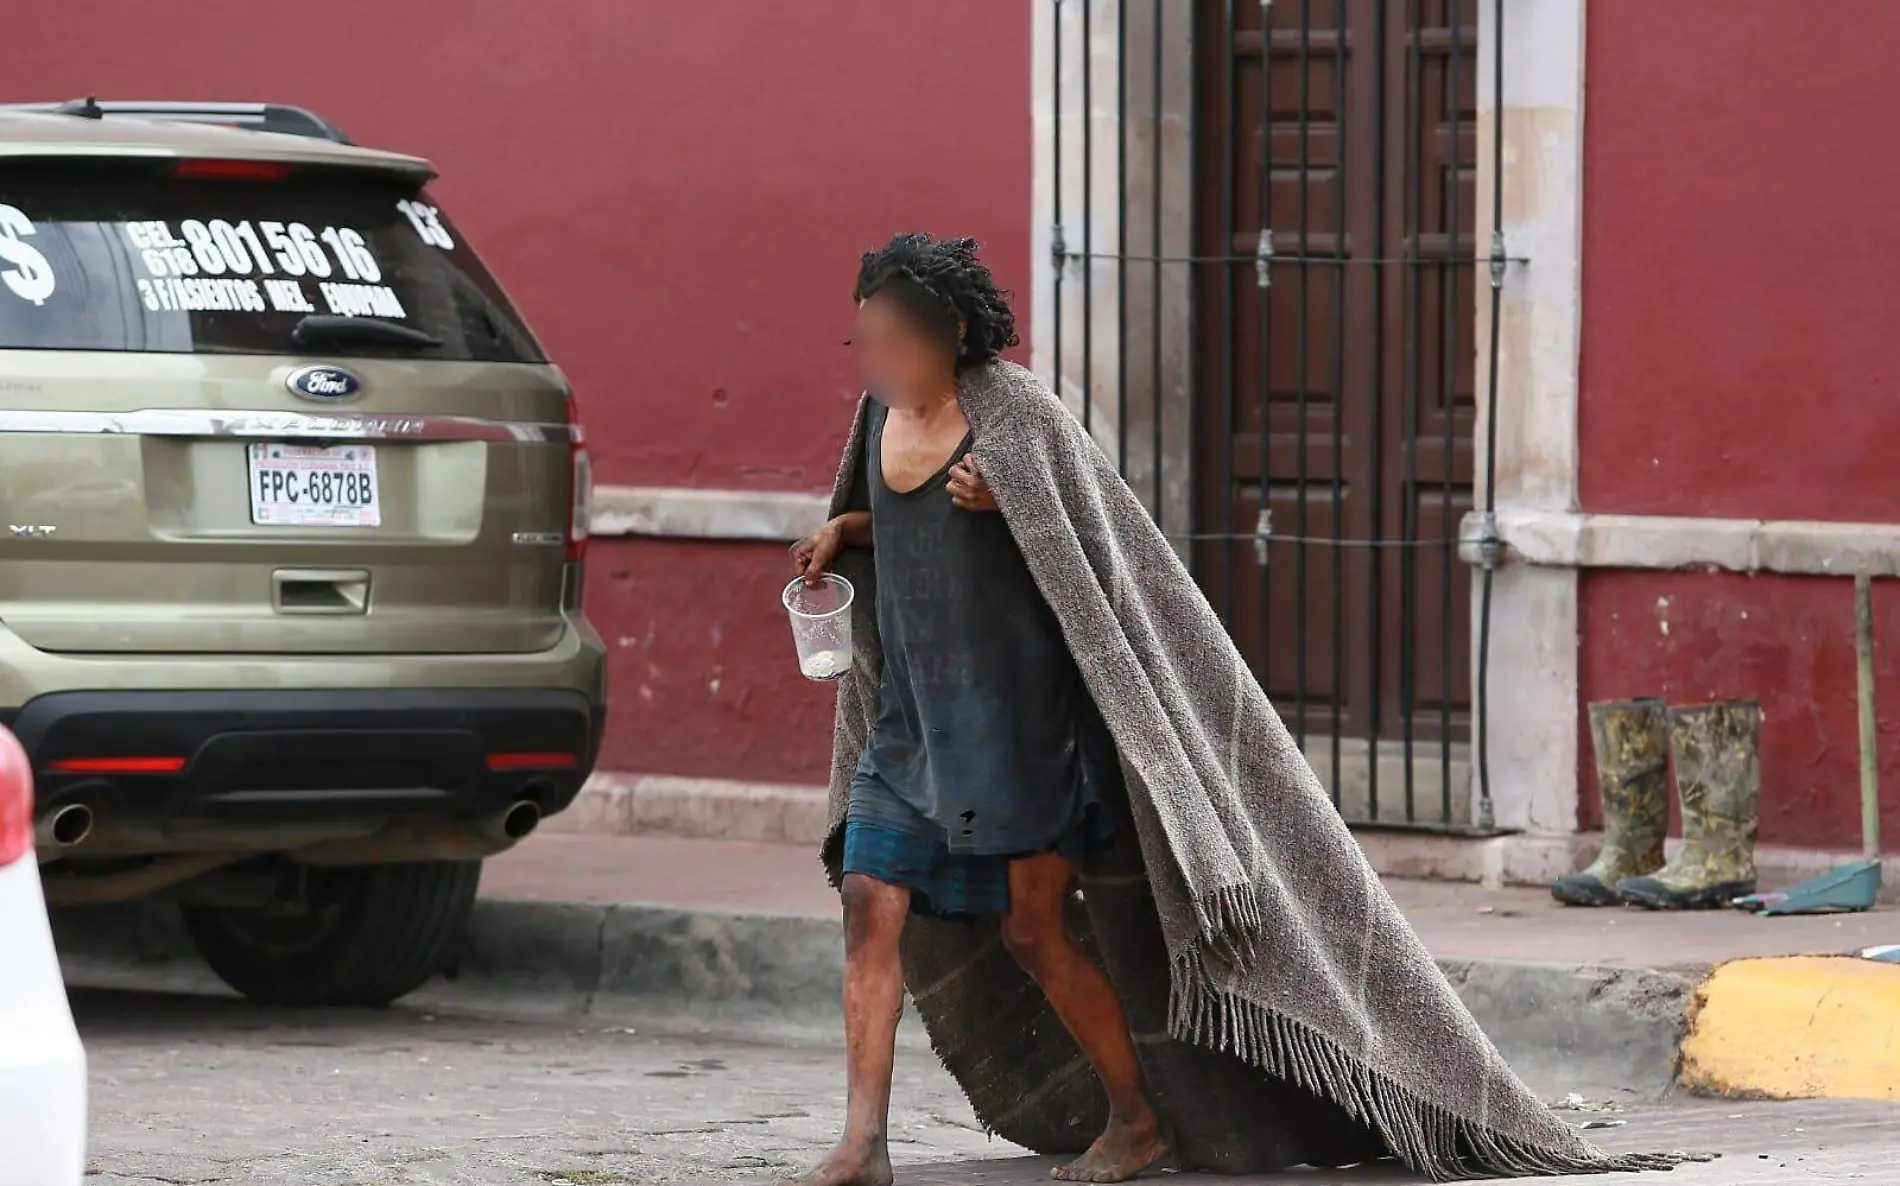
[281, 118]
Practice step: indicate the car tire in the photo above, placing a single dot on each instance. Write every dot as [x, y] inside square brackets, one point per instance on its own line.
[371, 934]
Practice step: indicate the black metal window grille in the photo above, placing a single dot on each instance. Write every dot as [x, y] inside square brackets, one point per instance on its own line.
[1330, 284]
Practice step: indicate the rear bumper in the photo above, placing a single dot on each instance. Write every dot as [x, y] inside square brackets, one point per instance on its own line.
[308, 755]
[277, 740]
[42, 1064]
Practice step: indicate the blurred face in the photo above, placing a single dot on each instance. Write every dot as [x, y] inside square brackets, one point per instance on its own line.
[901, 361]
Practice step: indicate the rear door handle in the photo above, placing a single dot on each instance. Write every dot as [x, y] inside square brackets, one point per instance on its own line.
[320, 591]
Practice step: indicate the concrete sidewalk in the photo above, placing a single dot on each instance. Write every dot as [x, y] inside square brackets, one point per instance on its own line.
[1457, 921]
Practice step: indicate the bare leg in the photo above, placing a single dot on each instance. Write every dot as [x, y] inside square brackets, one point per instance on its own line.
[1038, 936]
[874, 916]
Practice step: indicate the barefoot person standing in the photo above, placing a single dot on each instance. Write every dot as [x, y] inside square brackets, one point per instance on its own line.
[1041, 698]
[988, 771]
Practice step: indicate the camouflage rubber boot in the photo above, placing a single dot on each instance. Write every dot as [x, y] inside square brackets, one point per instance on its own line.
[1718, 771]
[1629, 741]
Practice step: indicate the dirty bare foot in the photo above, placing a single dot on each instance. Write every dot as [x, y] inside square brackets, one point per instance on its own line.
[1125, 1148]
[850, 1164]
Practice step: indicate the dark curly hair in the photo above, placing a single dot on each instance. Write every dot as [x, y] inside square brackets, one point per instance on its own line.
[941, 283]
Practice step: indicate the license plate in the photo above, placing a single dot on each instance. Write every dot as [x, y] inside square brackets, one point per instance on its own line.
[314, 486]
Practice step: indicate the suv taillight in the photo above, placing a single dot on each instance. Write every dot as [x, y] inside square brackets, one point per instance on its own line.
[16, 800]
[580, 510]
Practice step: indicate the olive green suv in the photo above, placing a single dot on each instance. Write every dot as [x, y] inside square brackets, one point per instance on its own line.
[294, 516]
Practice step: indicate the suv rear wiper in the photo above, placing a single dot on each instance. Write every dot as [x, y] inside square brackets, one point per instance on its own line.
[330, 328]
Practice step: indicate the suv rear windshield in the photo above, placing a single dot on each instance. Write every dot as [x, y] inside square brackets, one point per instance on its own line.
[225, 258]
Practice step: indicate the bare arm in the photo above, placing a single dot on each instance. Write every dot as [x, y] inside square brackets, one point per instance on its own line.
[854, 528]
[812, 556]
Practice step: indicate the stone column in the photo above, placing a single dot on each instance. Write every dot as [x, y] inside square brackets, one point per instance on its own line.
[1121, 340]
[1532, 712]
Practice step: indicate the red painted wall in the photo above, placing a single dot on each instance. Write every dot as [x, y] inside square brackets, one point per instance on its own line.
[1785, 641]
[704, 678]
[1740, 358]
[676, 194]
[1740, 346]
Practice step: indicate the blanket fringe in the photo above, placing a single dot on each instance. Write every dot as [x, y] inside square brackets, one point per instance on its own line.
[1230, 922]
[1429, 1139]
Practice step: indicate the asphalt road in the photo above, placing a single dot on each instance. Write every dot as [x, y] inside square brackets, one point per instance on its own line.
[198, 1089]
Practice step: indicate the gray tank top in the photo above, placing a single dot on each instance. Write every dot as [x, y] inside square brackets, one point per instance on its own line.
[984, 728]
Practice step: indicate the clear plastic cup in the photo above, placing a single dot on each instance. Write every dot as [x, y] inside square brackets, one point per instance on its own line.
[821, 625]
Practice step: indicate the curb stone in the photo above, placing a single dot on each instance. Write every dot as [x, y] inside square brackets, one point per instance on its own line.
[1607, 1034]
[1796, 1027]
[1603, 1033]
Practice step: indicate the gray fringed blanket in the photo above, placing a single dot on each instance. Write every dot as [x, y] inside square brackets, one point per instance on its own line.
[1284, 1010]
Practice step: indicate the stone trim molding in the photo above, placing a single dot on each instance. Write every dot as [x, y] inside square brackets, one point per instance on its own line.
[677, 512]
[1531, 536]
[1569, 539]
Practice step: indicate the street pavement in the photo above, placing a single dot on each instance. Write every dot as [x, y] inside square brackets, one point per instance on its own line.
[199, 1089]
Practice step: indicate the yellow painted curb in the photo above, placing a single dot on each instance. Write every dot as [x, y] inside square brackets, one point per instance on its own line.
[1803, 1027]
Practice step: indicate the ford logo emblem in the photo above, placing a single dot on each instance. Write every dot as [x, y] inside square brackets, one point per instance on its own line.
[323, 383]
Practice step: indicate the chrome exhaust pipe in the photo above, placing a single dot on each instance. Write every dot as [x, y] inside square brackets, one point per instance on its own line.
[522, 817]
[63, 827]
